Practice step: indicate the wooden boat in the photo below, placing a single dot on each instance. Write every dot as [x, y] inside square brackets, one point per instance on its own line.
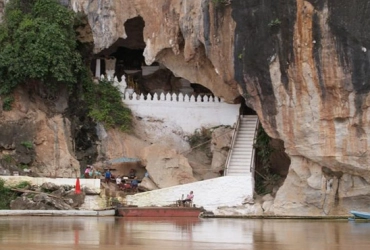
[159, 211]
[106, 212]
[362, 215]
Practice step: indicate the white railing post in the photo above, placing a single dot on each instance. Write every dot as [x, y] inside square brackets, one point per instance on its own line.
[232, 146]
[251, 169]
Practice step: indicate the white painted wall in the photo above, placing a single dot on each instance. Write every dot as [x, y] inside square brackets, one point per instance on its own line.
[189, 113]
[226, 191]
[93, 184]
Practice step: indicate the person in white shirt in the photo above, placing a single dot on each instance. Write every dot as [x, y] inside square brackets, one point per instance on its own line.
[118, 180]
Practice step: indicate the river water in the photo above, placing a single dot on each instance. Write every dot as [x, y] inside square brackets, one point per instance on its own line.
[111, 233]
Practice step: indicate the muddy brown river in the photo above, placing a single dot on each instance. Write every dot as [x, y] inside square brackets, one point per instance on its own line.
[111, 233]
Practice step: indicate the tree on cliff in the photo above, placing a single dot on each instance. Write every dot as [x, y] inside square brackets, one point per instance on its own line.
[37, 44]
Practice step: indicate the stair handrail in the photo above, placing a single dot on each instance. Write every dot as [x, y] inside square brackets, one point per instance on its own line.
[252, 164]
[233, 139]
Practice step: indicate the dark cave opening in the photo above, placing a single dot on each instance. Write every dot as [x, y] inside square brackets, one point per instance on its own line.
[125, 58]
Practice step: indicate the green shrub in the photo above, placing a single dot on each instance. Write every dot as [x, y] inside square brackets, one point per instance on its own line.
[7, 103]
[27, 144]
[263, 147]
[200, 137]
[22, 185]
[37, 45]
[6, 195]
[8, 159]
[106, 106]
[219, 3]
[274, 23]
[265, 179]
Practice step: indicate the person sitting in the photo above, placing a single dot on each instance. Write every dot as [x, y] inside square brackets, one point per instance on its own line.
[87, 172]
[92, 172]
[134, 183]
[132, 174]
[189, 198]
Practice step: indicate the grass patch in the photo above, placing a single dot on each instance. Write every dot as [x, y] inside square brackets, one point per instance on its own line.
[7, 195]
[200, 137]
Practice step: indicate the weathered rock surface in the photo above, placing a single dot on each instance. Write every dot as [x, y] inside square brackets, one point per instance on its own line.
[147, 184]
[309, 86]
[302, 65]
[60, 198]
[166, 167]
[220, 146]
[192, 38]
[36, 132]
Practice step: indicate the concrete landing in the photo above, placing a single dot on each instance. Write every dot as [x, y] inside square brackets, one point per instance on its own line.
[110, 212]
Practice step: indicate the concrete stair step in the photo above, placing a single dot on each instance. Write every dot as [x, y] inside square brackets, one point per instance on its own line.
[238, 172]
[242, 151]
[232, 174]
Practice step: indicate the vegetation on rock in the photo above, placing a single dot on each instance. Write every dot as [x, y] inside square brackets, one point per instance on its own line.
[7, 195]
[27, 144]
[218, 3]
[200, 138]
[107, 107]
[265, 179]
[38, 46]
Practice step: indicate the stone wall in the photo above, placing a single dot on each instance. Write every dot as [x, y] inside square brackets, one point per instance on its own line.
[93, 184]
[188, 113]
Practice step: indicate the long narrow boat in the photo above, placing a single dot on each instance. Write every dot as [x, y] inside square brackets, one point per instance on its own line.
[159, 211]
[362, 215]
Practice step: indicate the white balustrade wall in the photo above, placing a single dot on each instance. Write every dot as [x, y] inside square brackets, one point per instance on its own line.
[188, 112]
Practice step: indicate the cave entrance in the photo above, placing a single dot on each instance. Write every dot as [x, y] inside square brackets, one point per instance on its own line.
[125, 60]
[124, 54]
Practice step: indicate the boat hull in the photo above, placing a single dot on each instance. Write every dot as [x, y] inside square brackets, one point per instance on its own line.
[362, 215]
[158, 211]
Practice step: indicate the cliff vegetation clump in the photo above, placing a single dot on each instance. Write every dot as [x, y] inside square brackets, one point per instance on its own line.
[265, 179]
[38, 46]
[39, 50]
[7, 194]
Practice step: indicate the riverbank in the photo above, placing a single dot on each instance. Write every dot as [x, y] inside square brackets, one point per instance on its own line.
[107, 212]
[111, 212]
[329, 217]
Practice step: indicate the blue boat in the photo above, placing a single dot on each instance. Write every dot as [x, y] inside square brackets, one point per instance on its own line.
[362, 215]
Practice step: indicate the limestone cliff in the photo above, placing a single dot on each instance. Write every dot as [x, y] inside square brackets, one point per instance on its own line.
[303, 66]
[305, 69]
[191, 38]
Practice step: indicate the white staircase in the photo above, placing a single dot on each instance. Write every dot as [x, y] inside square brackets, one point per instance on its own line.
[240, 161]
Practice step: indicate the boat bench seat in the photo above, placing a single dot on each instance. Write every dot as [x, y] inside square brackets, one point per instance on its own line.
[179, 203]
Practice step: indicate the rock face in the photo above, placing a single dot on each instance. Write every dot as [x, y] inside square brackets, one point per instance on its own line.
[166, 167]
[191, 38]
[302, 65]
[306, 74]
[37, 133]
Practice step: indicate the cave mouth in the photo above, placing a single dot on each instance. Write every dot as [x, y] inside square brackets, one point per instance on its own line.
[125, 58]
